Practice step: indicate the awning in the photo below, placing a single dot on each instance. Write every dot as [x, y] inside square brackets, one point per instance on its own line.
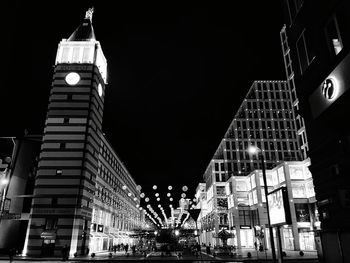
[110, 235]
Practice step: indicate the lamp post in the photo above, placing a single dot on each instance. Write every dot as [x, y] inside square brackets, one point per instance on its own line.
[255, 150]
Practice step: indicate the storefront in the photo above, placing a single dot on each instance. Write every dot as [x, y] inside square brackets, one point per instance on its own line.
[247, 237]
[49, 241]
[288, 239]
[307, 239]
[98, 242]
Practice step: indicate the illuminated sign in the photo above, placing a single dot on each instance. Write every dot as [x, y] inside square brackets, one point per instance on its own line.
[279, 207]
[329, 88]
[100, 228]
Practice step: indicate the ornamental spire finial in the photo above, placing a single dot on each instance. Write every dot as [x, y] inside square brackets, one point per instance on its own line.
[89, 13]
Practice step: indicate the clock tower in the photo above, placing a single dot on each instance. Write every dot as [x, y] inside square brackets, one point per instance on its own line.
[64, 188]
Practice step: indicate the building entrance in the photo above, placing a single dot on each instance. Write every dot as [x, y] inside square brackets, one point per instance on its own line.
[48, 248]
[247, 238]
[307, 240]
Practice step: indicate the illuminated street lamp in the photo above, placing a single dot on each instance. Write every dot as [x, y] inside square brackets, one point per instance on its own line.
[4, 181]
[255, 150]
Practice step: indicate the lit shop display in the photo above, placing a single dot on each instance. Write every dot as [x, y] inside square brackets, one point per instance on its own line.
[279, 207]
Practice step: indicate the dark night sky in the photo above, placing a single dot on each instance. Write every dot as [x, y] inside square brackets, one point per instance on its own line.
[177, 74]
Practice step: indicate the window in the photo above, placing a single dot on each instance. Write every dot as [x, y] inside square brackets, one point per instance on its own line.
[333, 36]
[216, 167]
[305, 52]
[302, 213]
[51, 223]
[54, 201]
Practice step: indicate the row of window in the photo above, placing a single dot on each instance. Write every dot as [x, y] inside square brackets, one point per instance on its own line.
[268, 95]
[115, 163]
[119, 221]
[262, 124]
[112, 199]
[274, 110]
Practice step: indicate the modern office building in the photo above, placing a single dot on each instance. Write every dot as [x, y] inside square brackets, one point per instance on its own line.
[84, 196]
[266, 119]
[318, 38]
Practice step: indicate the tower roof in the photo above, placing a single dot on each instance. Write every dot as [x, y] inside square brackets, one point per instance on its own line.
[85, 31]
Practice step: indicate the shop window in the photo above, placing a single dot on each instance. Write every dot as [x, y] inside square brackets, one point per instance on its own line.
[288, 238]
[302, 213]
[333, 36]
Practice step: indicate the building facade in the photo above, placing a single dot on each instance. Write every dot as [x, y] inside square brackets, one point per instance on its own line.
[247, 207]
[266, 119]
[115, 211]
[84, 196]
[317, 33]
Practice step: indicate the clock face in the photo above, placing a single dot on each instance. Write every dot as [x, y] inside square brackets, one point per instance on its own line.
[72, 78]
[100, 90]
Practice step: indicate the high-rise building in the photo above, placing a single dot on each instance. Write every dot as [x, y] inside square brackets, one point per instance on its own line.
[317, 41]
[78, 172]
[68, 161]
[265, 119]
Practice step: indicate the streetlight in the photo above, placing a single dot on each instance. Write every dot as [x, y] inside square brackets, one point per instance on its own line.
[255, 150]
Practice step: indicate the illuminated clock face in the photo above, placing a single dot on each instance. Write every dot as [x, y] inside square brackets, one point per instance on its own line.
[72, 78]
[100, 90]
[329, 89]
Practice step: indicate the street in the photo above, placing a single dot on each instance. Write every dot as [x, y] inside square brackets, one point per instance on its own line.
[241, 256]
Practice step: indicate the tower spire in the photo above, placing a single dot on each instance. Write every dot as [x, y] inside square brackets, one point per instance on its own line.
[89, 13]
[85, 31]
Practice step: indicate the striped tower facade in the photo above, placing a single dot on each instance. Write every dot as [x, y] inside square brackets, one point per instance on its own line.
[67, 170]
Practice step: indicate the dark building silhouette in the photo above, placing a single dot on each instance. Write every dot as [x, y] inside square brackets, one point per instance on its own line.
[316, 39]
[17, 192]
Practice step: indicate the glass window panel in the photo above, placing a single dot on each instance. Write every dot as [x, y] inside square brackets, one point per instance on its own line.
[252, 180]
[281, 177]
[298, 190]
[255, 197]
